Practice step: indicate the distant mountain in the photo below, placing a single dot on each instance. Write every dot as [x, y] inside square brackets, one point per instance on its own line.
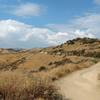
[11, 50]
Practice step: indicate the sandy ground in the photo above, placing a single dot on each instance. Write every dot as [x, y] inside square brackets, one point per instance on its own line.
[81, 85]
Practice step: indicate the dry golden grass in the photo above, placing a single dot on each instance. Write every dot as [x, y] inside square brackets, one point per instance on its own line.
[63, 70]
[42, 66]
[18, 86]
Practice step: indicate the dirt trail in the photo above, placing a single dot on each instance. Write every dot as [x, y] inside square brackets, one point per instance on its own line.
[81, 85]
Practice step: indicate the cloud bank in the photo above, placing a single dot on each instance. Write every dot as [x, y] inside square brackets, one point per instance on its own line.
[17, 34]
[20, 35]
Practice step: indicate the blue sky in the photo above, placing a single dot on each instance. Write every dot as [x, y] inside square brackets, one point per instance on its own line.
[41, 23]
[56, 11]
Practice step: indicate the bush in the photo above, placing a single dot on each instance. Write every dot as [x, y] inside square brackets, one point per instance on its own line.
[42, 68]
[18, 86]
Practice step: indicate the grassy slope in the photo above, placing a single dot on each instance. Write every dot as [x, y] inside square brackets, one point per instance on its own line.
[49, 63]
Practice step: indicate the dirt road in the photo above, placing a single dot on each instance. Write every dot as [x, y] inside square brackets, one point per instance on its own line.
[81, 85]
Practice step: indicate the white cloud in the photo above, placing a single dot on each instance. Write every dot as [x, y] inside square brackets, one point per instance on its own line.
[27, 9]
[88, 23]
[17, 34]
[80, 33]
[84, 26]
[58, 38]
[97, 2]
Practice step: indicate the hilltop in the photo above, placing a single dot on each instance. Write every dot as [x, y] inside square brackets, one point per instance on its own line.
[80, 47]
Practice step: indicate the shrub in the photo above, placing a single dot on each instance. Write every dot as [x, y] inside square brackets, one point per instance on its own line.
[18, 86]
[42, 68]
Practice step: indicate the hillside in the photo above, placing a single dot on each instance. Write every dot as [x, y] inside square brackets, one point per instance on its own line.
[79, 47]
[30, 74]
[53, 62]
